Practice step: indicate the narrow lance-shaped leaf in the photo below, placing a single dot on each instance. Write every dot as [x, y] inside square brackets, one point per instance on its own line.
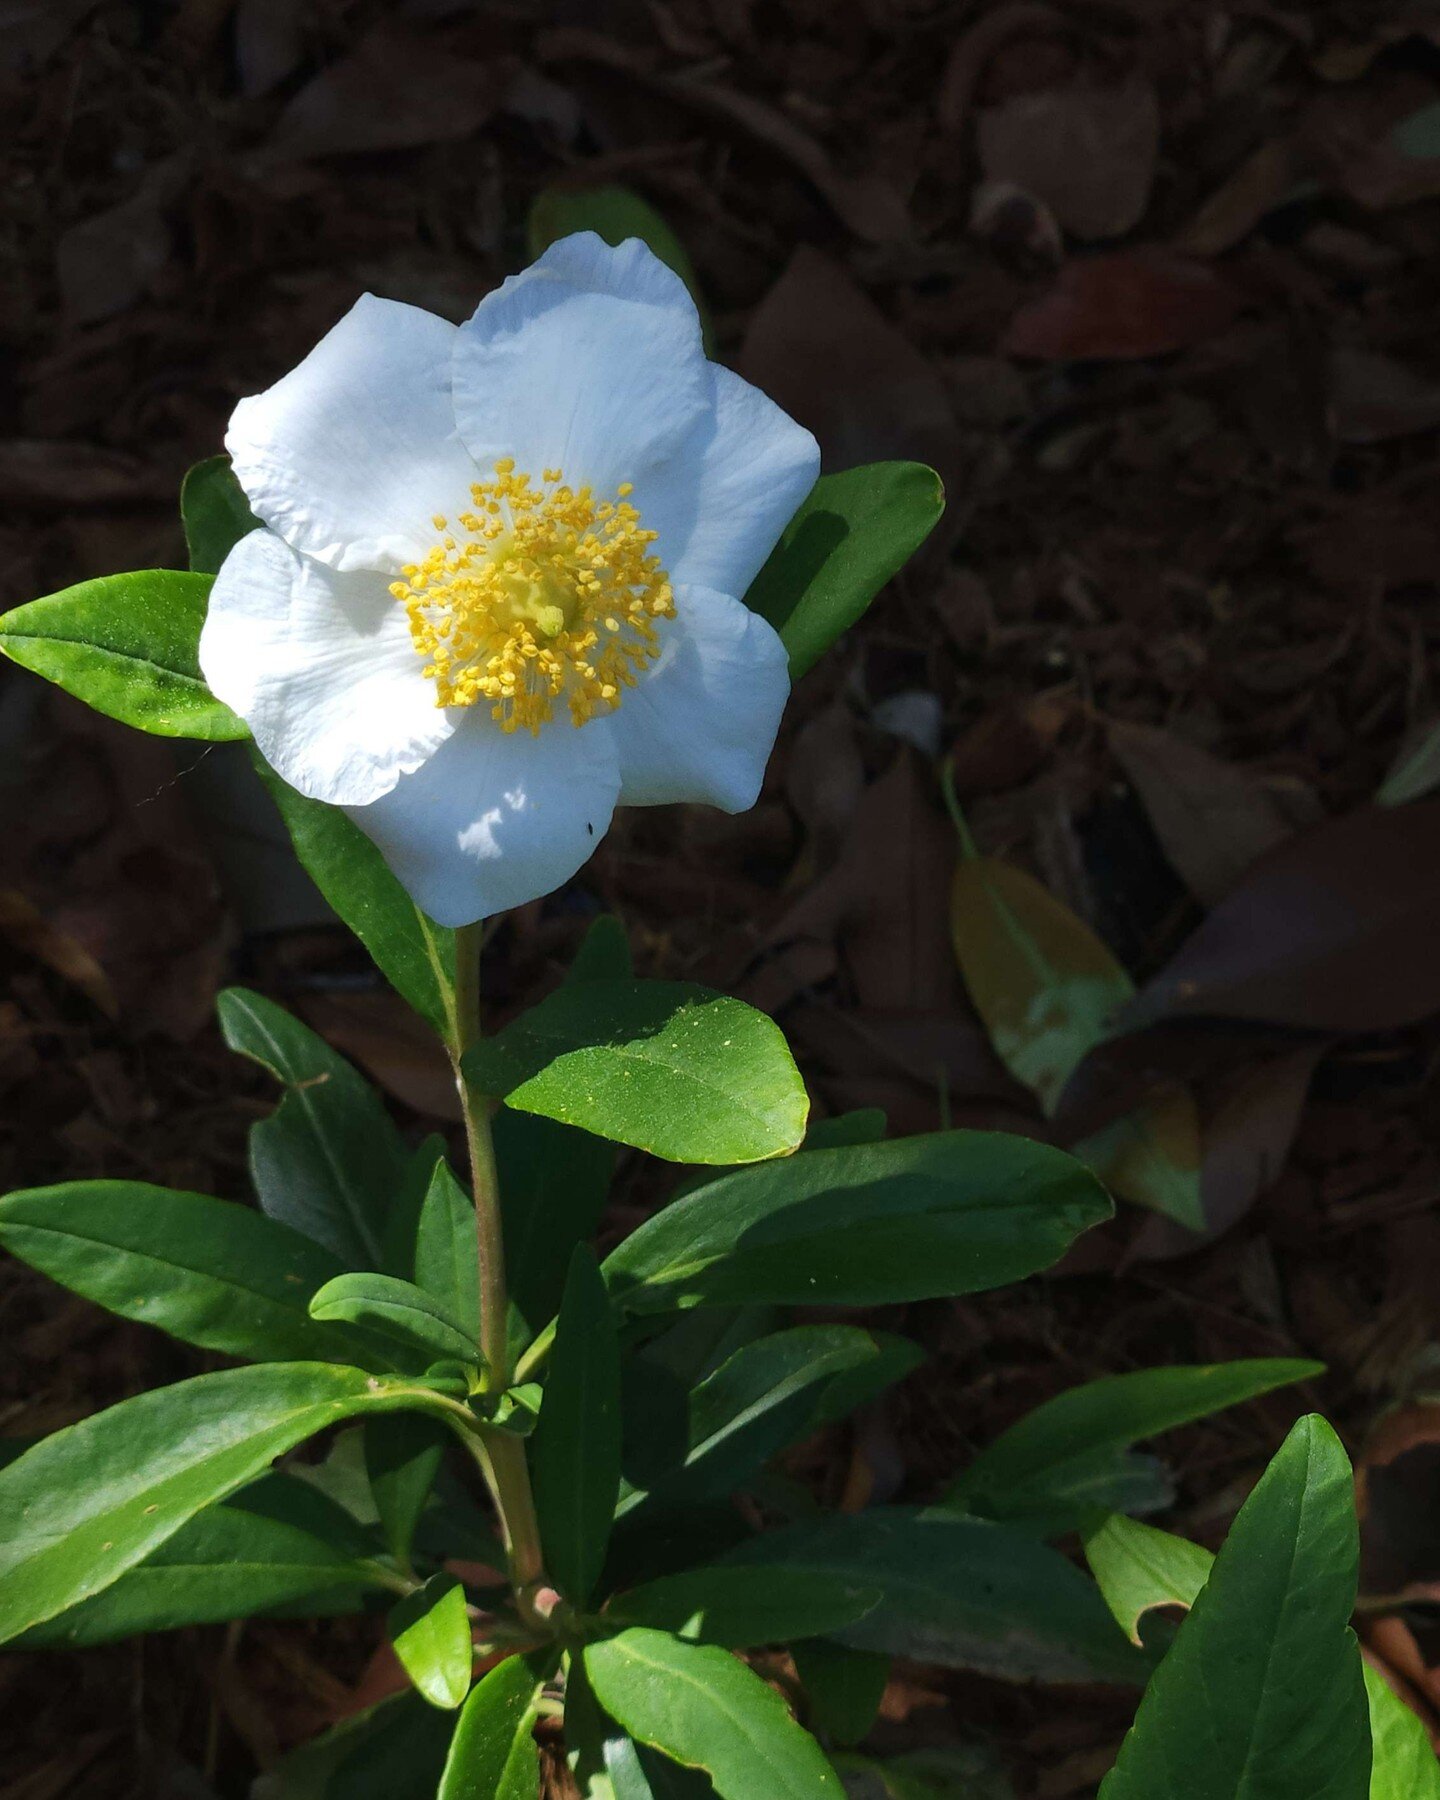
[576, 1453]
[385, 1307]
[1059, 1462]
[844, 1687]
[128, 645]
[329, 1161]
[866, 1225]
[209, 1272]
[414, 954]
[395, 1751]
[739, 1607]
[403, 1452]
[493, 1754]
[90, 1502]
[855, 530]
[225, 1563]
[430, 1633]
[706, 1709]
[1403, 1765]
[1262, 1692]
[554, 1182]
[669, 1067]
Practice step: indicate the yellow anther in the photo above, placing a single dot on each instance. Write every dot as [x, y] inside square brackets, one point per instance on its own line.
[551, 597]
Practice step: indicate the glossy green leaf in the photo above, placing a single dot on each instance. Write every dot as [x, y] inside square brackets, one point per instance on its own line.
[912, 1219]
[1261, 1694]
[447, 1252]
[853, 533]
[891, 1360]
[844, 1687]
[669, 1067]
[209, 1272]
[1139, 1569]
[638, 1773]
[414, 954]
[403, 1452]
[328, 1161]
[706, 1709]
[739, 1608]
[1044, 984]
[395, 1751]
[959, 1592]
[865, 1125]
[285, 1496]
[430, 1634]
[90, 1502]
[613, 213]
[1403, 1765]
[1061, 1463]
[604, 953]
[554, 1182]
[383, 1306]
[128, 645]
[493, 1754]
[225, 1563]
[576, 1452]
[214, 512]
[762, 1397]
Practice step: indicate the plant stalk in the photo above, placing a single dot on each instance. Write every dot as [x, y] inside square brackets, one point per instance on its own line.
[500, 1454]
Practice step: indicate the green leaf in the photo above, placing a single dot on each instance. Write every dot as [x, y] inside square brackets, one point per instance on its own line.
[383, 1306]
[913, 1219]
[90, 1502]
[214, 512]
[414, 954]
[854, 531]
[1060, 1462]
[209, 1272]
[554, 1182]
[576, 1455]
[891, 1360]
[707, 1710]
[403, 1452]
[665, 1066]
[328, 1161]
[493, 1754]
[604, 953]
[613, 213]
[1404, 1765]
[447, 1252]
[1261, 1694]
[865, 1125]
[740, 1608]
[1044, 984]
[128, 645]
[969, 1773]
[764, 1396]
[395, 1751]
[843, 1686]
[430, 1632]
[225, 1563]
[1139, 1568]
[958, 1592]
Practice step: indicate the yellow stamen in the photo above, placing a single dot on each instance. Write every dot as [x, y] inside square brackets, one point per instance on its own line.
[552, 595]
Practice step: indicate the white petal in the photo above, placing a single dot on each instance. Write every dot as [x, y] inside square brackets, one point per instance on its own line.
[496, 818]
[701, 723]
[589, 362]
[350, 454]
[321, 668]
[722, 502]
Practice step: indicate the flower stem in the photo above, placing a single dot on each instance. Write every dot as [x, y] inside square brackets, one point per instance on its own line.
[500, 1454]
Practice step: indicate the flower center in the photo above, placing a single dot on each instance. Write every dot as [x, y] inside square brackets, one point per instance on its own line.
[549, 595]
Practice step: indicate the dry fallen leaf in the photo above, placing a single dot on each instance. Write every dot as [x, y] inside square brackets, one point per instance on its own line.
[1127, 304]
[1087, 151]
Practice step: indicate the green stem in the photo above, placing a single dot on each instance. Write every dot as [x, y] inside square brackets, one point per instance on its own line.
[500, 1454]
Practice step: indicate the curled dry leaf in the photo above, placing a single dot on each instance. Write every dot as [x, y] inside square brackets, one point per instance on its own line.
[1121, 306]
[1333, 930]
[1243, 1147]
[973, 49]
[1212, 820]
[1088, 152]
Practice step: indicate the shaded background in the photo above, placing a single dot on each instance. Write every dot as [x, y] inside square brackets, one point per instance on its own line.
[1154, 287]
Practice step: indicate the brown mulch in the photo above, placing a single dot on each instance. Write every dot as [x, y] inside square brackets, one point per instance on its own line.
[1154, 288]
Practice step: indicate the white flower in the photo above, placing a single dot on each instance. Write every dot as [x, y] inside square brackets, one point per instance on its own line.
[498, 589]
